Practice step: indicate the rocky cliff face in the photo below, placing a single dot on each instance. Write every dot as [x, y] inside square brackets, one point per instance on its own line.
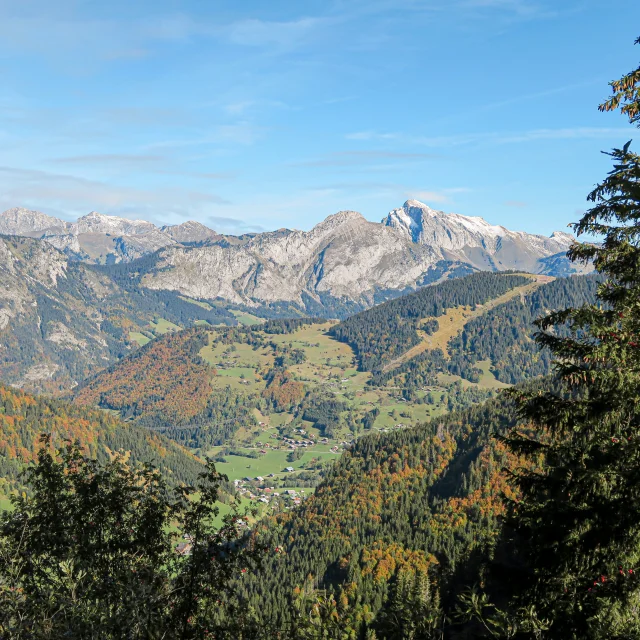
[190, 232]
[23, 222]
[51, 317]
[346, 258]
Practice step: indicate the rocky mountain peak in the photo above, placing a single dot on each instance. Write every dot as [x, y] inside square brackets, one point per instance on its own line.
[190, 231]
[564, 237]
[341, 217]
[21, 221]
[95, 222]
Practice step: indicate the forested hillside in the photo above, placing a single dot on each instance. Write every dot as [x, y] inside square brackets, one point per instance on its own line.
[24, 417]
[462, 341]
[388, 330]
[504, 334]
[167, 385]
[247, 391]
[420, 501]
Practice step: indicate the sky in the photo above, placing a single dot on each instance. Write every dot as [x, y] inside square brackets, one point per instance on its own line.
[254, 115]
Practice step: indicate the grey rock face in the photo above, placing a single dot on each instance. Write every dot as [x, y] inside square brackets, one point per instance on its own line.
[344, 256]
[52, 305]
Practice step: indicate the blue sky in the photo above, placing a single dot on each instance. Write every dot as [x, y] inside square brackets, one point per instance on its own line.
[258, 115]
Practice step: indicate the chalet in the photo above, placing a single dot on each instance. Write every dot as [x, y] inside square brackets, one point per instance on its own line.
[289, 469]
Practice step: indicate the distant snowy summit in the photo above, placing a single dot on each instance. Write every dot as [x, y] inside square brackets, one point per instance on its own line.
[475, 241]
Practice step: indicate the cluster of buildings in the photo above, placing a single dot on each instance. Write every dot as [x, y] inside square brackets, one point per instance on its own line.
[258, 490]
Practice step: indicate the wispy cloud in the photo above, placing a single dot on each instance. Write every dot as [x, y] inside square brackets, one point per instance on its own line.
[243, 106]
[233, 225]
[127, 54]
[365, 156]
[73, 194]
[111, 159]
[427, 196]
[515, 203]
[151, 164]
[495, 137]
[259, 33]
[440, 196]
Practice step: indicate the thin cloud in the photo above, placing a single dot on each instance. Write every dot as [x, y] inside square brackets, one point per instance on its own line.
[233, 225]
[41, 189]
[150, 163]
[441, 196]
[260, 33]
[366, 156]
[111, 158]
[427, 196]
[127, 54]
[494, 137]
[242, 133]
[239, 108]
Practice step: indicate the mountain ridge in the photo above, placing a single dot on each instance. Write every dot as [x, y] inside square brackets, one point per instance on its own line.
[343, 264]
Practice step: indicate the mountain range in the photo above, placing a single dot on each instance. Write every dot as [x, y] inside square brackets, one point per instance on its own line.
[100, 238]
[344, 264]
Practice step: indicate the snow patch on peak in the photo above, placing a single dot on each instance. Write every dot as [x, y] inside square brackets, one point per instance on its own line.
[476, 224]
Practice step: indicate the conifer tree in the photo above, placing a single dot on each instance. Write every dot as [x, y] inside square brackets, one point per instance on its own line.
[576, 525]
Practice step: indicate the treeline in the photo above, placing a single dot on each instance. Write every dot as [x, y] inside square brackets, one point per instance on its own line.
[503, 336]
[286, 325]
[380, 334]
